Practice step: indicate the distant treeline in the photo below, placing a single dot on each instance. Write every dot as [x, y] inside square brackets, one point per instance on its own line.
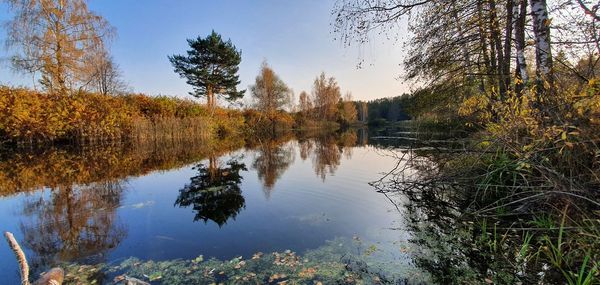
[433, 104]
[391, 109]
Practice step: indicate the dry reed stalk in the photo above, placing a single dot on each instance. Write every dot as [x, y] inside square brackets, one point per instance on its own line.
[23, 266]
[54, 276]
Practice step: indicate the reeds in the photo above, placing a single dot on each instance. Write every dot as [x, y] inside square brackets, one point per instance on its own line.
[29, 117]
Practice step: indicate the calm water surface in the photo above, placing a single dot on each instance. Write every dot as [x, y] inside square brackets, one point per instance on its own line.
[180, 201]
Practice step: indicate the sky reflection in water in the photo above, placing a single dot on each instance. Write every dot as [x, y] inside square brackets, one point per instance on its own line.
[272, 195]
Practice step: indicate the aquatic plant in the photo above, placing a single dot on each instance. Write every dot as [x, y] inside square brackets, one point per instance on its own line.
[333, 263]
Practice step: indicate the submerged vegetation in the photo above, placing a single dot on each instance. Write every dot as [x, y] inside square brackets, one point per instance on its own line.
[329, 264]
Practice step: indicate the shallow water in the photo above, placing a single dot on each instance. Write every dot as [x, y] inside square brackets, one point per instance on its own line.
[106, 205]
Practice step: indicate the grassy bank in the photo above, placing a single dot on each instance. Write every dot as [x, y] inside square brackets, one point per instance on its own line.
[523, 196]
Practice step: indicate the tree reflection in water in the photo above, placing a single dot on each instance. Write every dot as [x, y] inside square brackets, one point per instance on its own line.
[306, 147]
[328, 150]
[214, 193]
[272, 160]
[454, 245]
[74, 223]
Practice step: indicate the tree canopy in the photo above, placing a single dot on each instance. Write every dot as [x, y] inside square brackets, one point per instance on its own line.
[211, 67]
[327, 94]
[58, 39]
[269, 91]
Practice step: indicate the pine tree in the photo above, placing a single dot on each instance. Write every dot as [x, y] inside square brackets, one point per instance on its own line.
[211, 67]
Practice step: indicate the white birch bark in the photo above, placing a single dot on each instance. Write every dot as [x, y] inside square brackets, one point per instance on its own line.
[541, 30]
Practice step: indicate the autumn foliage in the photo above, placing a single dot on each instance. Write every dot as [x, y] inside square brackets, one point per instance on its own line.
[28, 116]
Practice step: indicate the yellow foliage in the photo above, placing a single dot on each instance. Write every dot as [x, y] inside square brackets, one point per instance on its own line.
[31, 116]
[22, 171]
[562, 130]
[476, 108]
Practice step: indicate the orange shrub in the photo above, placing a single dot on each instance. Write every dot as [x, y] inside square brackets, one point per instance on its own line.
[28, 116]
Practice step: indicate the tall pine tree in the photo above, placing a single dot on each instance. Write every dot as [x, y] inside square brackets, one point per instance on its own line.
[211, 67]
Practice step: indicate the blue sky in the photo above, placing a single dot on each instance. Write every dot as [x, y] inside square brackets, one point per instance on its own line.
[295, 37]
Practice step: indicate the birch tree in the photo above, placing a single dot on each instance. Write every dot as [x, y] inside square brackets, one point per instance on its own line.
[305, 103]
[543, 53]
[326, 94]
[520, 14]
[348, 112]
[457, 43]
[54, 38]
[362, 112]
[105, 76]
[270, 94]
[269, 91]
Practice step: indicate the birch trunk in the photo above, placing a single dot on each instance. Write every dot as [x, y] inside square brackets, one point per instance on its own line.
[543, 54]
[520, 12]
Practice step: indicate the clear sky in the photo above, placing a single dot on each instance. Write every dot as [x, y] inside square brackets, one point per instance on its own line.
[295, 37]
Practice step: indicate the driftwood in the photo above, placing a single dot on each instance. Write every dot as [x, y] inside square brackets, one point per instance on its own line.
[53, 277]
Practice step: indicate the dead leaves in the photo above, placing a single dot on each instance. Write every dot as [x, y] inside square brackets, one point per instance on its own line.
[308, 273]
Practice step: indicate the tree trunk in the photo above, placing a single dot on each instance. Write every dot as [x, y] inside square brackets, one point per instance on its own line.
[210, 98]
[464, 48]
[510, 19]
[520, 12]
[484, 45]
[497, 45]
[212, 168]
[543, 54]
[58, 73]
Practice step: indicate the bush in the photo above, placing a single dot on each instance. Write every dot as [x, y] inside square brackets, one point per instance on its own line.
[28, 116]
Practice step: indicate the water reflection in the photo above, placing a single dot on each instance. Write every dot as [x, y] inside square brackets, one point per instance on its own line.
[306, 147]
[451, 244]
[214, 193]
[445, 245]
[76, 217]
[31, 170]
[328, 151]
[73, 223]
[326, 157]
[272, 159]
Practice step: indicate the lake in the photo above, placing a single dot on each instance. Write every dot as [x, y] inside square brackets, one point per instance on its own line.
[222, 200]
